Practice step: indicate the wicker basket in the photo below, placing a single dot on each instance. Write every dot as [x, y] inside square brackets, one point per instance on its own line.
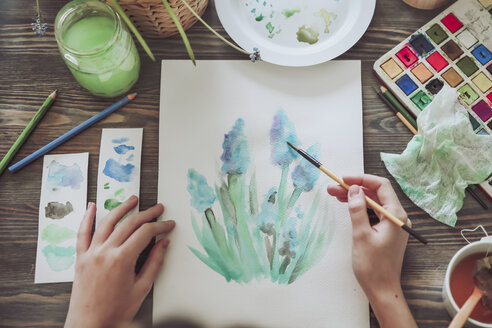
[151, 17]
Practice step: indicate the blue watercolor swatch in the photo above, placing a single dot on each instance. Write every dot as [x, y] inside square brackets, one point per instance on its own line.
[122, 140]
[123, 149]
[60, 175]
[130, 158]
[117, 171]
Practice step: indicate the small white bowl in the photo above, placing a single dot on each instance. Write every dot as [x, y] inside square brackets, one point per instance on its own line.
[484, 245]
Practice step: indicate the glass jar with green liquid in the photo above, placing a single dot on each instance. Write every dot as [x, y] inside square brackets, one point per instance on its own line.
[97, 47]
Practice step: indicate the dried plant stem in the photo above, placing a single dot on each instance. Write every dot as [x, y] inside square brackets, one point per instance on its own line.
[180, 30]
[133, 29]
[212, 30]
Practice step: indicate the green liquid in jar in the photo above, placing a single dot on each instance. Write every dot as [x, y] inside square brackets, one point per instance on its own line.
[112, 71]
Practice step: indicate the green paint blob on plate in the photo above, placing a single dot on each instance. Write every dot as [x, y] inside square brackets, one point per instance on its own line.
[308, 34]
[259, 18]
[59, 258]
[290, 12]
[55, 234]
[111, 204]
[328, 17]
[269, 27]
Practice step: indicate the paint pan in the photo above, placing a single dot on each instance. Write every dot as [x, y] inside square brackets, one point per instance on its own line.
[467, 65]
[452, 77]
[482, 82]
[422, 73]
[391, 68]
[437, 61]
[453, 48]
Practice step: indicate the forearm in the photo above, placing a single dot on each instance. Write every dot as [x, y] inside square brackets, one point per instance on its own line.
[391, 309]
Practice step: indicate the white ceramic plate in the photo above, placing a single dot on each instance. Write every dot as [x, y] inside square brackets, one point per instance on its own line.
[296, 32]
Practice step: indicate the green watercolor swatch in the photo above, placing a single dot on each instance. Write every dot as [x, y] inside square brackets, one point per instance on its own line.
[59, 258]
[111, 204]
[55, 234]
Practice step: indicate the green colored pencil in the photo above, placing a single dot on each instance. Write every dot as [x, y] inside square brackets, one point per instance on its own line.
[27, 131]
[398, 106]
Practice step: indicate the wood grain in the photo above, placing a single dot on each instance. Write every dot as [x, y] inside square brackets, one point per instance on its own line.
[31, 68]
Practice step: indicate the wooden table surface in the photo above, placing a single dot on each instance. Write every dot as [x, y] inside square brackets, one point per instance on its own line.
[31, 67]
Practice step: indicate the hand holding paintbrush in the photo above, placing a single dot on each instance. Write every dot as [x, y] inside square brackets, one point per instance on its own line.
[370, 201]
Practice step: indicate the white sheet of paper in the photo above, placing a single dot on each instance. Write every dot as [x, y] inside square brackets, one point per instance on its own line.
[118, 174]
[199, 105]
[62, 205]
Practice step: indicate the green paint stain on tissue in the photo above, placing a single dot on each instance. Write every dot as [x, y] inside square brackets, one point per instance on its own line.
[443, 159]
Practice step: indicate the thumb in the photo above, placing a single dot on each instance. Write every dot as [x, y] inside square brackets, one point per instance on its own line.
[358, 211]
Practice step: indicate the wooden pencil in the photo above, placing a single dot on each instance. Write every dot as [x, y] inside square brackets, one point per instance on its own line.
[397, 113]
[388, 95]
[369, 201]
[27, 131]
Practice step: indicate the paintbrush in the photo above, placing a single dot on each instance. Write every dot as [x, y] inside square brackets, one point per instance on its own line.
[371, 202]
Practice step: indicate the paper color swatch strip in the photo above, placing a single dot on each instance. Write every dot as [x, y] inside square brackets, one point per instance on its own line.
[118, 175]
[62, 205]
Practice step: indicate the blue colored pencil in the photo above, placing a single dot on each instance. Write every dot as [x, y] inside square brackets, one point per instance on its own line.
[61, 139]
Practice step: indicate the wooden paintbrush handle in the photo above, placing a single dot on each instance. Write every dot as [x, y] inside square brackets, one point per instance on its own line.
[467, 308]
[369, 201]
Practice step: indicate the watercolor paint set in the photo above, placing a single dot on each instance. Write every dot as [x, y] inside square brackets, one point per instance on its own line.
[454, 48]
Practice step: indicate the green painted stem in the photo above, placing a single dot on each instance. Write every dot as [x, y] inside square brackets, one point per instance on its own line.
[212, 30]
[180, 30]
[132, 27]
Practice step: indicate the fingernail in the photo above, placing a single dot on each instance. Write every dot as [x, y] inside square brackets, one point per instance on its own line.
[165, 243]
[354, 190]
[90, 204]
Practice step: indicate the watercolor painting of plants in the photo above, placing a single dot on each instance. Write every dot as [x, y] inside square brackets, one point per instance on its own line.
[279, 238]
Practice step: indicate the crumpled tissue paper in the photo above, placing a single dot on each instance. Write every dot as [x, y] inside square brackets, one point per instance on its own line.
[442, 159]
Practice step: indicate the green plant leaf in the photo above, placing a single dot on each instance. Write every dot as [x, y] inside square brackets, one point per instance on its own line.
[180, 30]
[132, 27]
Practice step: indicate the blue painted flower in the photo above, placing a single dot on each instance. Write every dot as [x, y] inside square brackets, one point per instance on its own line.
[289, 238]
[235, 156]
[268, 214]
[282, 131]
[306, 174]
[202, 195]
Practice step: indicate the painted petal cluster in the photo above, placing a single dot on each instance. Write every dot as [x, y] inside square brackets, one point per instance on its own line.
[235, 155]
[268, 213]
[202, 195]
[289, 238]
[305, 174]
[282, 131]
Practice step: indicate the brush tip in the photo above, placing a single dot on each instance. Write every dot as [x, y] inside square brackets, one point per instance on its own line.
[132, 96]
[292, 146]
[53, 94]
